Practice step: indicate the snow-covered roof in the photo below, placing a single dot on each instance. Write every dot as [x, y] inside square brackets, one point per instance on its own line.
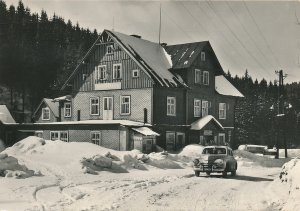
[224, 87]
[5, 116]
[98, 122]
[63, 98]
[53, 106]
[152, 56]
[145, 131]
[200, 123]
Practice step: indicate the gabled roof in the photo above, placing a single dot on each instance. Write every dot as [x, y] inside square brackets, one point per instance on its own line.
[145, 131]
[149, 56]
[224, 87]
[183, 55]
[53, 106]
[5, 116]
[200, 123]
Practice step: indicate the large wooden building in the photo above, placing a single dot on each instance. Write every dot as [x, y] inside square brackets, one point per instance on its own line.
[128, 93]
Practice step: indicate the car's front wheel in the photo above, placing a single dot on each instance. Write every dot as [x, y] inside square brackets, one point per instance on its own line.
[207, 173]
[233, 173]
[197, 173]
[224, 173]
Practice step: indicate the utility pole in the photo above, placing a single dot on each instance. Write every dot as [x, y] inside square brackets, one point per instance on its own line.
[280, 112]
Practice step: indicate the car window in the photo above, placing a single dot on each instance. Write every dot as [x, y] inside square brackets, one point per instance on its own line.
[214, 151]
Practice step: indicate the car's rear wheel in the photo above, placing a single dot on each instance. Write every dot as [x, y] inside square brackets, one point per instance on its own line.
[224, 173]
[197, 173]
[207, 173]
[233, 173]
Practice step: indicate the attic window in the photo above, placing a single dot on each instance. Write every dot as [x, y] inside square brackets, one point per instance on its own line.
[135, 73]
[45, 113]
[202, 56]
[109, 49]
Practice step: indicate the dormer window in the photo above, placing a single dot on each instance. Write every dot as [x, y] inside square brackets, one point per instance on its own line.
[202, 56]
[135, 73]
[109, 49]
[45, 113]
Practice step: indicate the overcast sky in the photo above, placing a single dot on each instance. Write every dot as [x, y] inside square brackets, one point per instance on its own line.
[259, 36]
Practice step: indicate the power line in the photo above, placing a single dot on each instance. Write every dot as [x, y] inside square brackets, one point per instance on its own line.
[174, 22]
[236, 37]
[244, 28]
[202, 26]
[262, 35]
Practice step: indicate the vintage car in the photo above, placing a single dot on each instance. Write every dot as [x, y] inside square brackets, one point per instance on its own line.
[215, 159]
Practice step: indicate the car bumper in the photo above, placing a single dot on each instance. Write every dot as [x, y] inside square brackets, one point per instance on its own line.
[209, 168]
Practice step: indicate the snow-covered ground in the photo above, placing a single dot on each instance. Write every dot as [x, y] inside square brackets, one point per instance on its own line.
[54, 175]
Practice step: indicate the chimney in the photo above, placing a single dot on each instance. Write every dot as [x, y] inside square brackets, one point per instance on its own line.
[136, 36]
[163, 44]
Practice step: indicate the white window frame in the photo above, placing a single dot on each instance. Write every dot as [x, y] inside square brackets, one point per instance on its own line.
[198, 76]
[95, 104]
[99, 73]
[59, 135]
[64, 139]
[43, 114]
[111, 47]
[124, 104]
[96, 140]
[204, 108]
[171, 105]
[197, 107]
[135, 73]
[203, 56]
[54, 132]
[114, 70]
[67, 111]
[222, 110]
[205, 77]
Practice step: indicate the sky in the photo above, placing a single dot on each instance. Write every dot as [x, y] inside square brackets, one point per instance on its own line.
[260, 36]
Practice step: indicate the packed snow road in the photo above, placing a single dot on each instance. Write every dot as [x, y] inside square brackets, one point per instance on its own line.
[97, 178]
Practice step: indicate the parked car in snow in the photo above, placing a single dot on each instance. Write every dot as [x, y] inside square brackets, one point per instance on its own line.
[215, 159]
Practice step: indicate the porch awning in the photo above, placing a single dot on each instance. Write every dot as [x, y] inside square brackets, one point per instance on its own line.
[200, 123]
[145, 131]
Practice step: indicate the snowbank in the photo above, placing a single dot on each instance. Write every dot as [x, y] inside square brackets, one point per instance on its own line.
[286, 188]
[10, 167]
[247, 158]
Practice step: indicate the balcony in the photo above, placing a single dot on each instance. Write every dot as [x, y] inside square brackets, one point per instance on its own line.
[108, 85]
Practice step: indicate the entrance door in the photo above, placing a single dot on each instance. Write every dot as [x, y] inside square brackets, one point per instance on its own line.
[108, 113]
[180, 140]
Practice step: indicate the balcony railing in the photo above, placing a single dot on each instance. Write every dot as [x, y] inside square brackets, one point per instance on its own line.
[107, 85]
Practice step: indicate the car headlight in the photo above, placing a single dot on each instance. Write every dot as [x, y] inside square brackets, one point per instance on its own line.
[219, 162]
[196, 161]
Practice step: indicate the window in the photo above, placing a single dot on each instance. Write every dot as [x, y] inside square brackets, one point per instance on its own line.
[205, 77]
[67, 110]
[84, 76]
[198, 76]
[54, 135]
[101, 72]
[117, 71]
[135, 73]
[125, 105]
[94, 106]
[203, 56]
[64, 136]
[222, 110]
[197, 108]
[109, 49]
[204, 108]
[59, 135]
[45, 113]
[96, 137]
[171, 106]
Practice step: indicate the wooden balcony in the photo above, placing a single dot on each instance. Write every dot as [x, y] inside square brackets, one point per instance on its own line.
[108, 85]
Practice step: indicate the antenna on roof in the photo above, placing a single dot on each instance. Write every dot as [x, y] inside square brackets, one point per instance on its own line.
[113, 28]
[159, 23]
